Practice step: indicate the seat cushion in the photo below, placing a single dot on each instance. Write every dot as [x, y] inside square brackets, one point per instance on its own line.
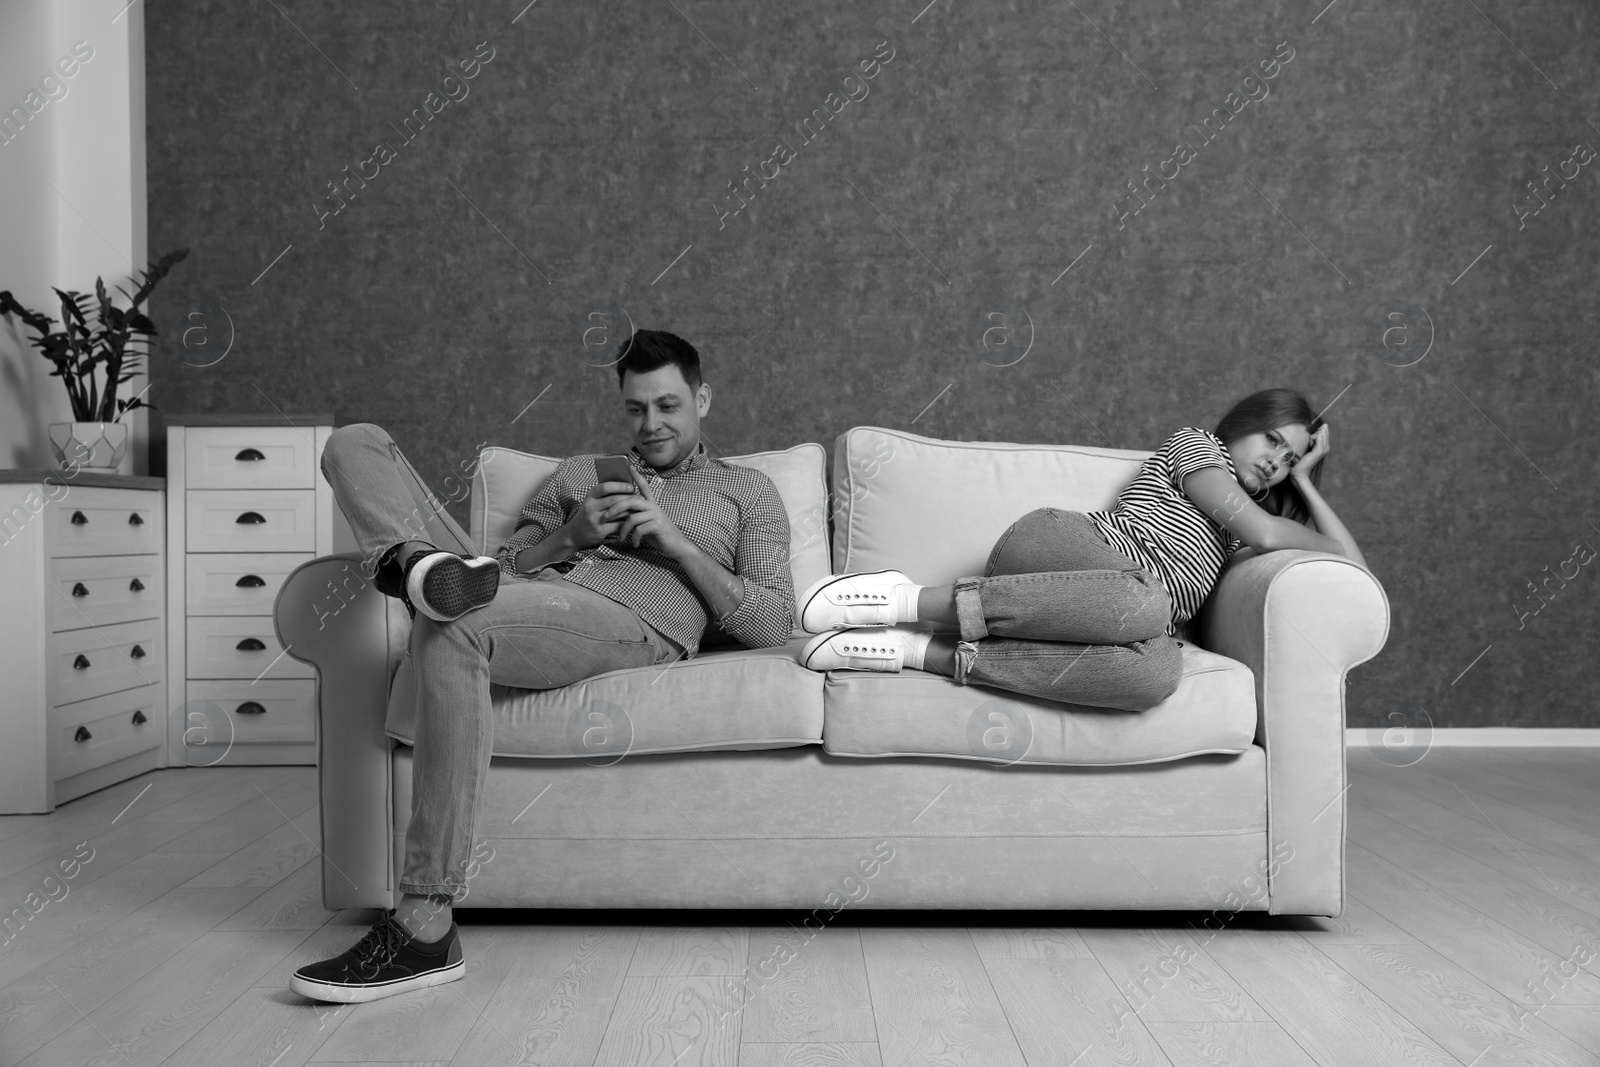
[740, 699]
[505, 479]
[916, 713]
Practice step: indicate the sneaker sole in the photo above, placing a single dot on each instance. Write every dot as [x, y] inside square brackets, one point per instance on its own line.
[450, 586]
[360, 994]
[816, 589]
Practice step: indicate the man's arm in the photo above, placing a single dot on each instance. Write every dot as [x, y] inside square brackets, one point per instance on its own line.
[556, 523]
[765, 614]
[755, 603]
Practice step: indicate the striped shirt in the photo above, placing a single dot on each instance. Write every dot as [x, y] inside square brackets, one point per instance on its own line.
[733, 514]
[1155, 524]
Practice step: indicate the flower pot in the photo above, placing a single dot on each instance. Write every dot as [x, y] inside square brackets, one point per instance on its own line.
[96, 447]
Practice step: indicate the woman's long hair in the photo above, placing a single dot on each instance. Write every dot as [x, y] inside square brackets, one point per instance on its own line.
[1268, 410]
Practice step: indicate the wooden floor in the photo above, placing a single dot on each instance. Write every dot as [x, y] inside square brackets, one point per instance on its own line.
[1472, 938]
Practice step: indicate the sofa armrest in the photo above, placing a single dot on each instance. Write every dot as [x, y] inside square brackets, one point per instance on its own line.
[331, 617]
[1300, 620]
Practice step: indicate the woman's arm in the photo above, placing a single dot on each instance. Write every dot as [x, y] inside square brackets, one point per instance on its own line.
[1219, 496]
[1321, 514]
[1327, 521]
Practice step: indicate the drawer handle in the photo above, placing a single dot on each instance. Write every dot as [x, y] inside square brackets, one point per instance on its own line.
[138, 653]
[250, 644]
[251, 518]
[139, 719]
[250, 581]
[81, 663]
[83, 734]
[136, 585]
[79, 590]
[250, 707]
[135, 519]
[79, 518]
[250, 455]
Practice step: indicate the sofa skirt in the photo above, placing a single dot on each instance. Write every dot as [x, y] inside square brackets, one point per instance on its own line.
[799, 829]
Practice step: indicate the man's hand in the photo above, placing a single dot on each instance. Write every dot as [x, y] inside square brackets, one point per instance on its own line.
[640, 518]
[593, 521]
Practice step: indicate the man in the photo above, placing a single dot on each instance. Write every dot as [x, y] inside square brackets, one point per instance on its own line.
[597, 577]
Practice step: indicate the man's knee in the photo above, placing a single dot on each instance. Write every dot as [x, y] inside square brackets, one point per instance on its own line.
[355, 437]
[429, 635]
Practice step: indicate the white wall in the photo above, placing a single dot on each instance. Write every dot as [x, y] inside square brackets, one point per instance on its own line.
[88, 145]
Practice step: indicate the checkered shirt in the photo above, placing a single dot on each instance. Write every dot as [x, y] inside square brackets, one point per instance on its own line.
[733, 514]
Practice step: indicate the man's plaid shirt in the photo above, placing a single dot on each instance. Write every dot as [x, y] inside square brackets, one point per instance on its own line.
[732, 514]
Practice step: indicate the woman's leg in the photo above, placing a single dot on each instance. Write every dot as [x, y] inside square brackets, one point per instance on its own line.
[1131, 677]
[1051, 578]
[1059, 614]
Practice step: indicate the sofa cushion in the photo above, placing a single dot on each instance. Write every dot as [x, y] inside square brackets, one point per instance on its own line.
[916, 713]
[742, 699]
[934, 509]
[506, 478]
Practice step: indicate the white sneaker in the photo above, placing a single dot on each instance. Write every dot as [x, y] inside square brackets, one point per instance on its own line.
[876, 649]
[841, 601]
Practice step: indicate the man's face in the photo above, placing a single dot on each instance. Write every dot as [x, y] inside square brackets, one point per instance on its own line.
[664, 414]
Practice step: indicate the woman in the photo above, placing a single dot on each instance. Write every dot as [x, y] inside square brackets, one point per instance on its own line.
[1084, 608]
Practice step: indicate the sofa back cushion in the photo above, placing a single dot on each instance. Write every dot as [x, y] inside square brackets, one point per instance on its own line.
[506, 478]
[934, 509]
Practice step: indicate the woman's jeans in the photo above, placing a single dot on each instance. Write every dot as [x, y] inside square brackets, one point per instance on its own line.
[540, 632]
[1062, 615]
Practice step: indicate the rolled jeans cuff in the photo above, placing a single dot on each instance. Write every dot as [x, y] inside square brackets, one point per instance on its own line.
[966, 652]
[969, 610]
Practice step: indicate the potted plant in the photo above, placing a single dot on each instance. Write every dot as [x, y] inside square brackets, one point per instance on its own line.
[96, 439]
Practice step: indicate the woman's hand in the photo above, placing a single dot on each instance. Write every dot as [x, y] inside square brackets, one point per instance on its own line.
[1314, 455]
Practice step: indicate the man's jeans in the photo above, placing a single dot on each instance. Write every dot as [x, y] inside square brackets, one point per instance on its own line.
[1062, 615]
[540, 632]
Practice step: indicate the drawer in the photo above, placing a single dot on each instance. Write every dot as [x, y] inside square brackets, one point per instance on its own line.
[274, 520]
[241, 713]
[240, 646]
[250, 457]
[91, 521]
[105, 659]
[95, 590]
[237, 583]
[112, 727]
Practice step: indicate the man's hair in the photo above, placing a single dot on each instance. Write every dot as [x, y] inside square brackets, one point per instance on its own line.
[649, 350]
[1268, 410]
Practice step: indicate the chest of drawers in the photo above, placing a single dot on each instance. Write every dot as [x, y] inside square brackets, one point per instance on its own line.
[246, 504]
[83, 636]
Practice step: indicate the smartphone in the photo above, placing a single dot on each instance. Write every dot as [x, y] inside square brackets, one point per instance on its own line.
[614, 469]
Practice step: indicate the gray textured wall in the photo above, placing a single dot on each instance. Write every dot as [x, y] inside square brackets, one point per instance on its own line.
[989, 154]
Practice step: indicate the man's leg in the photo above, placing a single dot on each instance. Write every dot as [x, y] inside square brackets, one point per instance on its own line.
[382, 495]
[535, 635]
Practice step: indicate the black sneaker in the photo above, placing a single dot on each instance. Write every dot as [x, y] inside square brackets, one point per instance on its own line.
[386, 961]
[445, 586]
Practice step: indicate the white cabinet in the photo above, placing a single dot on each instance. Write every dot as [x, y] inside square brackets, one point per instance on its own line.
[246, 504]
[83, 637]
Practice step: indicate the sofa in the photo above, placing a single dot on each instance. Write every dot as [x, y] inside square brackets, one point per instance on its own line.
[738, 779]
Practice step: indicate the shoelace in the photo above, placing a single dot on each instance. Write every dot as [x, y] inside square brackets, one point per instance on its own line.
[379, 947]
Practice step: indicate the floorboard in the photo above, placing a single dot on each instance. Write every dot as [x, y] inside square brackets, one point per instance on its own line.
[1473, 881]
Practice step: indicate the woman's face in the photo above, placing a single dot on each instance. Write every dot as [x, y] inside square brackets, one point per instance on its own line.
[1262, 460]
